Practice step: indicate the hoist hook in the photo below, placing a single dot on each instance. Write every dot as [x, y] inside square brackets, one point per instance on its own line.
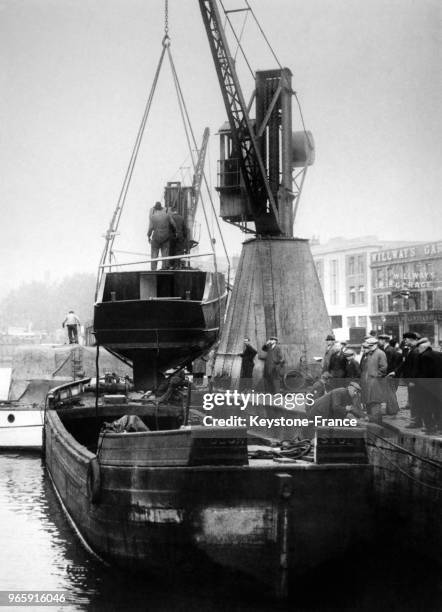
[166, 39]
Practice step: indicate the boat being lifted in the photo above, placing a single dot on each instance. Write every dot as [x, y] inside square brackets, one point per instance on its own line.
[157, 320]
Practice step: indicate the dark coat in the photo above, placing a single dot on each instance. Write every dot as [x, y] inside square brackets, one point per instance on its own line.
[408, 367]
[319, 388]
[180, 225]
[327, 356]
[338, 364]
[394, 358]
[248, 361]
[273, 362]
[352, 370]
[428, 379]
[374, 368]
[332, 405]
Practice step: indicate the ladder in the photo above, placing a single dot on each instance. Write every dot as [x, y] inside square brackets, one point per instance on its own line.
[77, 363]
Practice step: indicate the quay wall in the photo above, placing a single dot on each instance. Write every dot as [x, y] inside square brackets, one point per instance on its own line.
[37, 360]
[407, 471]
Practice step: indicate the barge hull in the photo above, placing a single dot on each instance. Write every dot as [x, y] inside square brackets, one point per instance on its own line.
[268, 521]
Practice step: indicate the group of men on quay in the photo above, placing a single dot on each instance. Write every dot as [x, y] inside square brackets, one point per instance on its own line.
[375, 372]
[364, 383]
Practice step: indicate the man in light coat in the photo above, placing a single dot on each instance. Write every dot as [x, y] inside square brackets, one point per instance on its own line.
[72, 323]
[161, 230]
[373, 371]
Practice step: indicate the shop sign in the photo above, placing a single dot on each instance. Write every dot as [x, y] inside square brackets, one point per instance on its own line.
[418, 251]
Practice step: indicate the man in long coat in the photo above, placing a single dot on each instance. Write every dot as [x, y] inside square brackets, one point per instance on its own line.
[178, 243]
[428, 386]
[407, 370]
[332, 347]
[273, 365]
[247, 364]
[394, 359]
[373, 371]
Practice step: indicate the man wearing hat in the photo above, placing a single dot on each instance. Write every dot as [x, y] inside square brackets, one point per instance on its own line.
[428, 388]
[338, 403]
[407, 370]
[273, 365]
[373, 370]
[352, 367]
[394, 360]
[332, 347]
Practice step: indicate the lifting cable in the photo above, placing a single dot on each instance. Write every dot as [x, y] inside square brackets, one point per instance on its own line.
[188, 128]
[238, 40]
[272, 51]
[112, 231]
[136, 148]
[185, 116]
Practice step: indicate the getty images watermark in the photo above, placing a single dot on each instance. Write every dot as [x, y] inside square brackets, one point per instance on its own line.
[289, 401]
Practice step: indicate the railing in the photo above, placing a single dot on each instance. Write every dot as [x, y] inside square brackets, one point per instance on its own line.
[146, 261]
[65, 394]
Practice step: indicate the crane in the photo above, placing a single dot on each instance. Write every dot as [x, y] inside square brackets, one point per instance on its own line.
[276, 290]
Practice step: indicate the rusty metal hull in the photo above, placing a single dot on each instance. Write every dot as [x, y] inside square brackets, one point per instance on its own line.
[266, 520]
[159, 320]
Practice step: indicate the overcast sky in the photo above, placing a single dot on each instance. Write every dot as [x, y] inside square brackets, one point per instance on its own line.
[75, 76]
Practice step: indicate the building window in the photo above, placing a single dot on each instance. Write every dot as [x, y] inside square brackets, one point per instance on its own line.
[362, 321]
[361, 294]
[352, 295]
[351, 265]
[429, 296]
[351, 321]
[379, 278]
[334, 282]
[361, 264]
[380, 303]
[390, 306]
[336, 321]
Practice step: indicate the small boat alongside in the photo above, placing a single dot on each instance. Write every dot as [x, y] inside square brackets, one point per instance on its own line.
[22, 411]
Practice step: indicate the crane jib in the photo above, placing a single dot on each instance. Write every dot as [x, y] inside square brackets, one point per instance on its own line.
[261, 200]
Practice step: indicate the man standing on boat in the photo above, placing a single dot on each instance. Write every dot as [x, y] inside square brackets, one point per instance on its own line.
[72, 322]
[161, 229]
[178, 244]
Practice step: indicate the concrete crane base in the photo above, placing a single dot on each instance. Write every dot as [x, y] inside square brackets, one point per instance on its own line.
[276, 293]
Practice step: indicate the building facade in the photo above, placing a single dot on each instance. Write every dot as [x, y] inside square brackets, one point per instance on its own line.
[343, 267]
[407, 290]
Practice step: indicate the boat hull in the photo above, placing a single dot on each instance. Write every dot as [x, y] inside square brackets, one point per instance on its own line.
[21, 428]
[265, 520]
[159, 320]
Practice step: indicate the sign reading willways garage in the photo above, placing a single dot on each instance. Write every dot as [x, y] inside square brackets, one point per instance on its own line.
[418, 251]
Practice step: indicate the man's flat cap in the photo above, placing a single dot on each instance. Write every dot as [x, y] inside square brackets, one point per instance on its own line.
[411, 335]
[371, 341]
